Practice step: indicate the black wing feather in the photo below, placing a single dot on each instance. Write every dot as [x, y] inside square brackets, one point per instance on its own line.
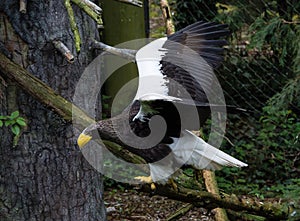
[196, 76]
[202, 33]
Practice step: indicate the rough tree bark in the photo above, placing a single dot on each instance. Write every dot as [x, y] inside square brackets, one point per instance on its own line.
[44, 177]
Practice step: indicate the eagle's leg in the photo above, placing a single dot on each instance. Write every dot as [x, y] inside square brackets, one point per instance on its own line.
[173, 184]
[146, 179]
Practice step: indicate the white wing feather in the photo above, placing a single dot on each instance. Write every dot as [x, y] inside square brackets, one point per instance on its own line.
[152, 84]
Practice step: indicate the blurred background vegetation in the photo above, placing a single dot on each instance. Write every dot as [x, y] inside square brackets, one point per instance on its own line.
[261, 73]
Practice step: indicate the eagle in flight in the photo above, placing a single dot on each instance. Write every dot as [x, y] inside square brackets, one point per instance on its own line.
[176, 94]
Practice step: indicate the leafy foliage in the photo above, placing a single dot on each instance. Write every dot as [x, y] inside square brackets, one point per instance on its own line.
[279, 137]
[276, 147]
[15, 122]
[282, 38]
[288, 96]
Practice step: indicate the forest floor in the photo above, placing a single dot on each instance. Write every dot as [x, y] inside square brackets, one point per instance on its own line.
[123, 204]
[128, 204]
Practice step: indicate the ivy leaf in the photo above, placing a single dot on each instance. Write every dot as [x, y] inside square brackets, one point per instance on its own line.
[15, 129]
[14, 115]
[21, 121]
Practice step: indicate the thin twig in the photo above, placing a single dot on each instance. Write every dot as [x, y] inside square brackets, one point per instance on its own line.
[64, 50]
[23, 6]
[290, 22]
[180, 212]
[93, 6]
[89, 8]
[128, 54]
[133, 2]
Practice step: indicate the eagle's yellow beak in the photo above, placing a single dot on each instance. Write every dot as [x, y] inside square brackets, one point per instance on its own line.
[83, 139]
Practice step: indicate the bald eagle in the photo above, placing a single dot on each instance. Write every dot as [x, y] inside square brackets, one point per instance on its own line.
[176, 94]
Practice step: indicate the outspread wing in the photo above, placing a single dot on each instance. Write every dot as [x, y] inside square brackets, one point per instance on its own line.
[181, 66]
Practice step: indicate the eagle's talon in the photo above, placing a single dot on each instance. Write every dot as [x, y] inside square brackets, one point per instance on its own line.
[146, 179]
[152, 186]
[173, 184]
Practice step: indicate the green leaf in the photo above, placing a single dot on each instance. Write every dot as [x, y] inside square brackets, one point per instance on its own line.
[1, 123]
[3, 117]
[15, 129]
[8, 122]
[14, 115]
[105, 97]
[21, 121]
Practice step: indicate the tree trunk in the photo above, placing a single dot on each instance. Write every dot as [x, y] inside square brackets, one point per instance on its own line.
[45, 176]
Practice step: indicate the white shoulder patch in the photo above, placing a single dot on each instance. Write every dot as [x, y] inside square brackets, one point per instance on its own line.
[151, 80]
[153, 50]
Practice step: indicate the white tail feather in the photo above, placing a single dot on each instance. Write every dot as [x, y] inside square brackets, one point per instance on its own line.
[196, 152]
[192, 150]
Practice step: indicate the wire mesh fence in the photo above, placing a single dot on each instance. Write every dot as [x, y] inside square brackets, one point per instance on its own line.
[260, 73]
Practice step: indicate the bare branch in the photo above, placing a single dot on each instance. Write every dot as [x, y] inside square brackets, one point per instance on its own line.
[91, 9]
[270, 210]
[23, 6]
[128, 54]
[93, 6]
[64, 50]
[180, 212]
[212, 187]
[290, 22]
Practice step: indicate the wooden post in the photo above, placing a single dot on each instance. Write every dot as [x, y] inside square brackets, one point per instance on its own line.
[212, 187]
[122, 22]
